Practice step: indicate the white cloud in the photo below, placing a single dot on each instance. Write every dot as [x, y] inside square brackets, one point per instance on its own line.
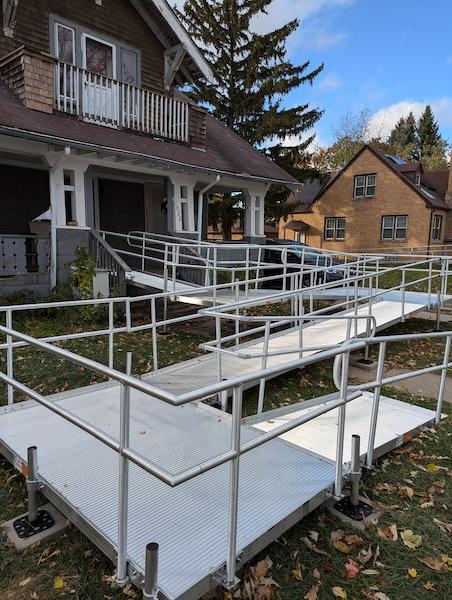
[382, 122]
[330, 82]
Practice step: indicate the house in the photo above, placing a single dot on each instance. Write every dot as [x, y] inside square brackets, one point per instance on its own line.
[95, 136]
[376, 202]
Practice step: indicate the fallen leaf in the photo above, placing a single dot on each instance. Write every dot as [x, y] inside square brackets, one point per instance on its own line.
[410, 539]
[388, 533]
[370, 572]
[406, 491]
[297, 575]
[313, 592]
[428, 504]
[338, 592]
[58, 583]
[381, 596]
[351, 569]
[445, 527]
[432, 563]
[412, 572]
[316, 573]
[262, 567]
[365, 555]
[354, 540]
[314, 536]
[341, 546]
[384, 487]
[429, 586]
[431, 468]
[24, 582]
[313, 547]
[336, 535]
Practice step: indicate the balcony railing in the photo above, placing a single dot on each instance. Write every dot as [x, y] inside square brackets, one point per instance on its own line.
[21, 254]
[104, 101]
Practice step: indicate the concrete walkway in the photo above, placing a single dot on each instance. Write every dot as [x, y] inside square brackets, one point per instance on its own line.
[423, 385]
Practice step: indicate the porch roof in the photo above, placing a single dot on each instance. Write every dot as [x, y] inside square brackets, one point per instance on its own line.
[225, 152]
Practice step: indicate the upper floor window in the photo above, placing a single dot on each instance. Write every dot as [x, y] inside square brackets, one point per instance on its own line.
[436, 227]
[394, 227]
[365, 186]
[334, 228]
[65, 43]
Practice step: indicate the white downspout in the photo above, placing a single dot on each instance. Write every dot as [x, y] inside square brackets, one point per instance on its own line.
[201, 202]
[53, 214]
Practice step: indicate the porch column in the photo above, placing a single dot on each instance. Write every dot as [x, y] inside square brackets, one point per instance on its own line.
[182, 205]
[255, 211]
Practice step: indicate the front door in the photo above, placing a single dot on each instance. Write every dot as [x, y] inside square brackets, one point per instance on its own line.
[100, 91]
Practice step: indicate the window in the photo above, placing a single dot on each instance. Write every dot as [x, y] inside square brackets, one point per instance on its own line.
[65, 43]
[436, 227]
[334, 228]
[184, 207]
[418, 180]
[365, 186]
[69, 196]
[394, 227]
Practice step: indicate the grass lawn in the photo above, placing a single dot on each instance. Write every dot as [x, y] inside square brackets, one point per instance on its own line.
[412, 485]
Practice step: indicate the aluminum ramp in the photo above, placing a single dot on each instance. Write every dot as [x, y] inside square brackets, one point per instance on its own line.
[189, 521]
[201, 371]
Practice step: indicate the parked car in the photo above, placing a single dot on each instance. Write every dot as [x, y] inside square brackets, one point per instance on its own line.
[298, 254]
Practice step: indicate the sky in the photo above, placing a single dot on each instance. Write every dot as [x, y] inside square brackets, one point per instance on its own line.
[389, 56]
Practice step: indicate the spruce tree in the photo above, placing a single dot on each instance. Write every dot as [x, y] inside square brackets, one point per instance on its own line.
[428, 132]
[252, 77]
[404, 132]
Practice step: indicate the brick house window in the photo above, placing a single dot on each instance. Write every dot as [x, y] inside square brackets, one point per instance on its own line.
[394, 227]
[436, 227]
[334, 228]
[365, 186]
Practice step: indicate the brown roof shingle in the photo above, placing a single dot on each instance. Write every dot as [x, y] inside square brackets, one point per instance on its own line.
[225, 152]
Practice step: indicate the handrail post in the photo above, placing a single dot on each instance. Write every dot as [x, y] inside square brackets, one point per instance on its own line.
[150, 591]
[442, 383]
[341, 425]
[10, 355]
[234, 487]
[110, 335]
[260, 400]
[123, 508]
[375, 406]
[403, 294]
[429, 285]
[355, 472]
[154, 335]
[32, 484]
[237, 311]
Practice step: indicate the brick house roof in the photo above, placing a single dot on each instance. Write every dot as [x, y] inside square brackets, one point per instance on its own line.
[225, 152]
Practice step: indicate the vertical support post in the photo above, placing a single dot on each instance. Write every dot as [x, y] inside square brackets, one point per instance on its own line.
[429, 285]
[403, 294]
[32, 484]
[341, 425]
[237, 311]
[260, 400]
[110, 335]
[247, 271]
[219, 358]
[214, 276]
[10, 355]
[375, 405]
[151, 572]
[234, 486]
[355, 473]
[154, 336]
[123, 507]
[143, 248]
[442, 382]
[258, 270]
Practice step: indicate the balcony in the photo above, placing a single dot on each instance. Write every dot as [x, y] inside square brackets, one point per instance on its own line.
[104, 101]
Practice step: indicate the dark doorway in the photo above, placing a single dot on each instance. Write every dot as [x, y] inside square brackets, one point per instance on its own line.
[121, 206]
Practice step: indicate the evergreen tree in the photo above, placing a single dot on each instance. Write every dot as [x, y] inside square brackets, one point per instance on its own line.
[428, 132]
[252, 76]
[404, 132]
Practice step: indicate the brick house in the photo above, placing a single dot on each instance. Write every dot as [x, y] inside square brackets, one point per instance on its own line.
[94, 134]
[377, 201]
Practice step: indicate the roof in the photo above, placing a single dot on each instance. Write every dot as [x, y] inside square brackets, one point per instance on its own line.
[436, 180]
[432, 197]
[225, 152]
[296, 226]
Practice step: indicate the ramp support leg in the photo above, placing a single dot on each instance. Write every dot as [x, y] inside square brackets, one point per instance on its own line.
[151, 572]
[355, 473]
[32, 484]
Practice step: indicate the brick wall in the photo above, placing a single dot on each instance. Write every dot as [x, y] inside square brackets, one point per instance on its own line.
[449, 203]
[29, 75]
[363, 216]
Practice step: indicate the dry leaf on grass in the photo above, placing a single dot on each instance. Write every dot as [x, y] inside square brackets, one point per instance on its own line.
[341, 546]
[313, 547]
[370, 572]
[351, 569]
[297, 575]
[410, 539]
[24, 582]
[313, 592]
[354, 540]
[406, 491]
[384, 487]
[432, 563]
[336, 535]
[365, 555]
[431, 468]
[316, 573]
[445, 527]
[58, 583]
[429, 586]
[338, 592]
[412, 572]
[314, 535]
[388, 533]
[262, 567]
